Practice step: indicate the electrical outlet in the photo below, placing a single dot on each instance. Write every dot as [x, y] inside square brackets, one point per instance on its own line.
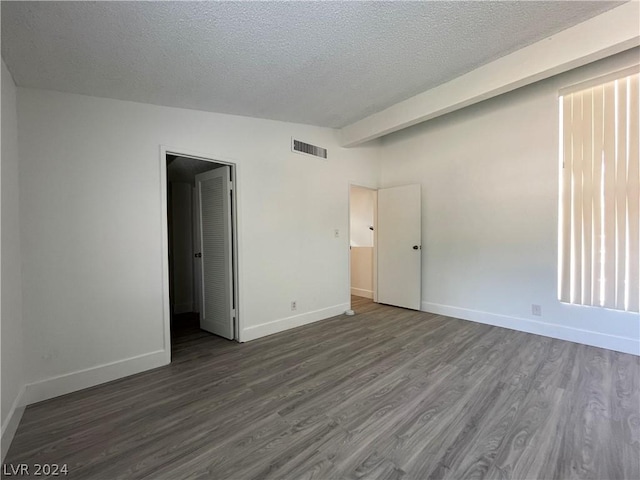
[536, 310]
[336, 233]
[294, 305]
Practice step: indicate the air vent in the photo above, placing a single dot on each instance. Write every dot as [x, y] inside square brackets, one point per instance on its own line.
[308, 149]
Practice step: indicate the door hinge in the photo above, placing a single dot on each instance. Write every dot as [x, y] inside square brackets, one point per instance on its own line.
[230, 185]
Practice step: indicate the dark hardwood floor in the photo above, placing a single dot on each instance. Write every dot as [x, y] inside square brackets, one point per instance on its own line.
[387, 393]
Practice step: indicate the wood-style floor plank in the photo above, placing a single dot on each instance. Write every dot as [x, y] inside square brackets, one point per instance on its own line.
[386, 394]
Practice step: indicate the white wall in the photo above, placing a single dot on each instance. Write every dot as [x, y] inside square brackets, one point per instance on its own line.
[182, 246]
[91, 222]
[11, 278]
[489, 176]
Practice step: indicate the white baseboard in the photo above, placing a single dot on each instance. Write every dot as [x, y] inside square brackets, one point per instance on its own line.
[269, 328]
[362, 293]
[587, 337]
[11, 423]
[90, 377]
[182, 308]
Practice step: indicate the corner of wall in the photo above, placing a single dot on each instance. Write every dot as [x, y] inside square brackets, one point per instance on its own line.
[10, 425]
[11, 299]
[90, 377]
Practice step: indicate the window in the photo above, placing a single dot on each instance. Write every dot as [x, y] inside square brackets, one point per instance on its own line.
[599, 244]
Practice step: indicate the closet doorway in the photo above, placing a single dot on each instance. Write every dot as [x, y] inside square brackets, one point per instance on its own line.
[201, 248]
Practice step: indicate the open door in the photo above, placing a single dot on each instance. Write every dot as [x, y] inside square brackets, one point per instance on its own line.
[399, 246]
[214, 204]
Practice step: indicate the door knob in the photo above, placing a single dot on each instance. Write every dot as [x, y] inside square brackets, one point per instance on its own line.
[416, 247]
[198, 255]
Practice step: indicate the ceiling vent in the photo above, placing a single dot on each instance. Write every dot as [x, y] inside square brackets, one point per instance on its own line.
[307, 149]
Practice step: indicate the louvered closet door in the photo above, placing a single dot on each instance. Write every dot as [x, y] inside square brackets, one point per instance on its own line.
[214, 201]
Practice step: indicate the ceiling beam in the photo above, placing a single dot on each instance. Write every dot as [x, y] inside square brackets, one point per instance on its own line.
[599, 37]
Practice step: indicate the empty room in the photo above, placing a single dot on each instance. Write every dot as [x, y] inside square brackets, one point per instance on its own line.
[320, 240]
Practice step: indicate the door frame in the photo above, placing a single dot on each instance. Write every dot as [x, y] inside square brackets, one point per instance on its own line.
[235, 260]
[375, 238]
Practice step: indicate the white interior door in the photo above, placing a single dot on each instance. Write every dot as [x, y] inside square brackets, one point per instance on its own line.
[399, 246]
[197, 248]
[214, 202]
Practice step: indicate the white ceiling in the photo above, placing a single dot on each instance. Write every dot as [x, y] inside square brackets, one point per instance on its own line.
[319, 63]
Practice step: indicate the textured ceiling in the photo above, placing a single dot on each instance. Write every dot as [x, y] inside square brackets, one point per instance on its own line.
[319, 63]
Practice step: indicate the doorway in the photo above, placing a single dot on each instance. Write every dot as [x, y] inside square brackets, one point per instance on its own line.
[385, 251]
[362, 243]
[201, 264]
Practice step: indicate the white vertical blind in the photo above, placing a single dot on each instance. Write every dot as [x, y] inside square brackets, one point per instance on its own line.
[599, 260]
